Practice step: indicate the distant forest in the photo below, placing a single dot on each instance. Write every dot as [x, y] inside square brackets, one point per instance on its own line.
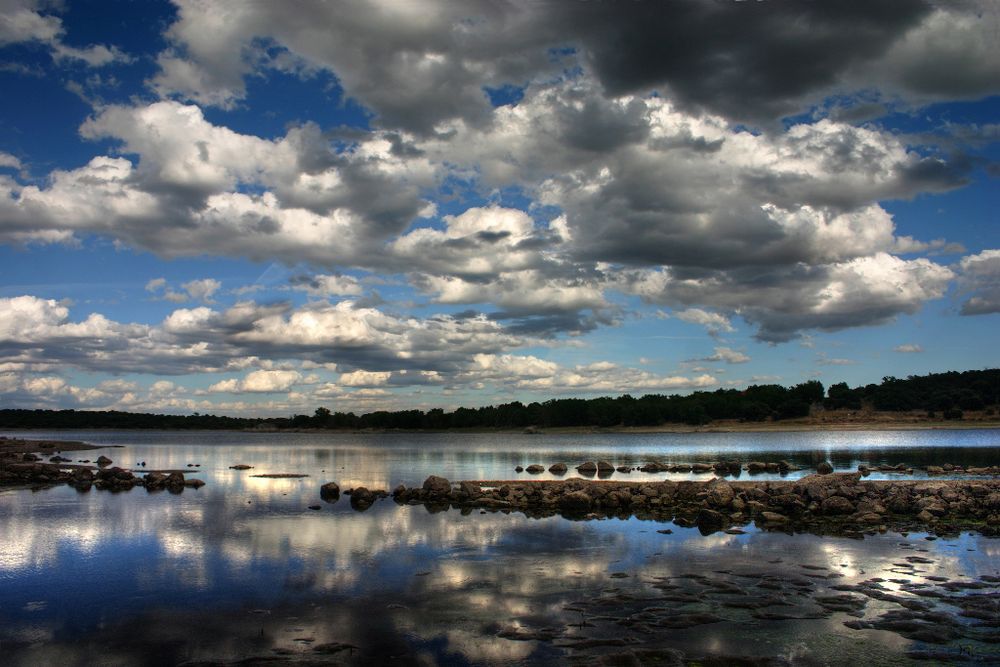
[940, 395]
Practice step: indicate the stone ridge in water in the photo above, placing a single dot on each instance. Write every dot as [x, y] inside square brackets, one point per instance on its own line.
[832, 503]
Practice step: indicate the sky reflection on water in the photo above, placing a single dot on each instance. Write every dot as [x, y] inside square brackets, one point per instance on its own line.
[241, 567]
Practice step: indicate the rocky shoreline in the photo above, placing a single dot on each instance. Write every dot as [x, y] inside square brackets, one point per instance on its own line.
[840, 503]
[19, 468]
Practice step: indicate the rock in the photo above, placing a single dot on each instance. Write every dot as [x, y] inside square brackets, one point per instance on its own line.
[330, 492]
[315, 507]
[701, 467]
[470, 491]
[104, 461]
[362, 498]
[824, 468]
[575, 502]
[175, 481]
[588, 468]
[558, 469]
[720, 494]
[519, 469]
[604, 468]
[756, 466]
[623, 469]
[535, 469]
[710, 519]
[435, 487]
[837, 505]
[155, 481]
[238, 466]
[935, 470]
[774, 517]
[194, 483]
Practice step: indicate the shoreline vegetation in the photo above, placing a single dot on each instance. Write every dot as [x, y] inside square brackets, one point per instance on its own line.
[969, 399]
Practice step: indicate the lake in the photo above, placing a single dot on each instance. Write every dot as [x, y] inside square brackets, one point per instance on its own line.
[242, 569]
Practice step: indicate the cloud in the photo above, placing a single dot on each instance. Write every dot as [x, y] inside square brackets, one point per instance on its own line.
[824, 360]
[908, 348]
[323, 285]
[202, 290]
[39, 334]
[26, 21]
[859, 292]
[262, 381]
[417, 65]
[713, 322]
[9, 161]
[198, 290]
[728, 355]
[980, 275]
[525, 372]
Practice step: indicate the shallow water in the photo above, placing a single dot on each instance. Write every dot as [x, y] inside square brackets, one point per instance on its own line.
[241, 568]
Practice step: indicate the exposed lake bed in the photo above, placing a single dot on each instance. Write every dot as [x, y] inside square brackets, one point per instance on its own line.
[243, 569]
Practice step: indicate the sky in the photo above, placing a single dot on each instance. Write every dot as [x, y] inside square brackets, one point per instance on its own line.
[260, 208]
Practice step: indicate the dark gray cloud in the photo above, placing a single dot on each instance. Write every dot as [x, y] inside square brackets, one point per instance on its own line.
[749, 61]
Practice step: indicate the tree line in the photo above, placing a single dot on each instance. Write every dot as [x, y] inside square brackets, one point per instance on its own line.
[945, 395]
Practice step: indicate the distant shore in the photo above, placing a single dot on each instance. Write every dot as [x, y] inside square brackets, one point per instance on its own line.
[834, 421]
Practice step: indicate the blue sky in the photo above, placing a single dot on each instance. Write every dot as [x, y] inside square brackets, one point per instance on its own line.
[243, 209]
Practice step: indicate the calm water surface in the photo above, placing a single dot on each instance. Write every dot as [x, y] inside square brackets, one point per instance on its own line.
[241, 568]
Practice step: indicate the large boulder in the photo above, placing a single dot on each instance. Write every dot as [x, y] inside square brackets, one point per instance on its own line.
[362, 498]
[330, 492]
[434, 487]
[535, 469]
[104, 461]
[604, 468]
[720, 494]
[824, 468]
[155, 480]
[588, 468]
[175, 481]
[558, 468]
